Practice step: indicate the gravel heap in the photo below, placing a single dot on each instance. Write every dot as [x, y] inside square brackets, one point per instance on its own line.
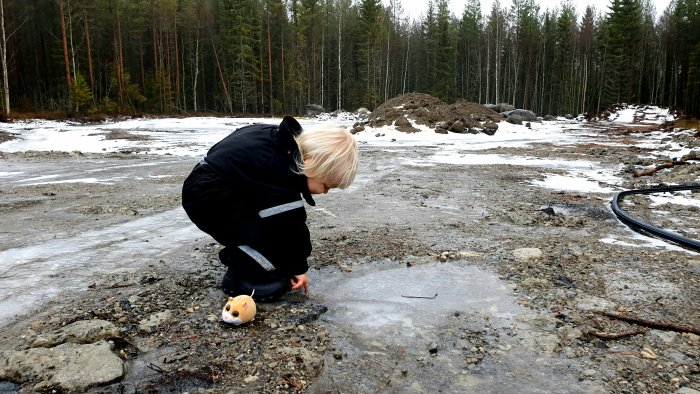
[423, 109]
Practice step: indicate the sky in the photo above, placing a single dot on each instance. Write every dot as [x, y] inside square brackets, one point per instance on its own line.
[414, 8]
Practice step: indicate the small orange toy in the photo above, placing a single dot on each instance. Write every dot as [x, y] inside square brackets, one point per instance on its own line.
[239, 310]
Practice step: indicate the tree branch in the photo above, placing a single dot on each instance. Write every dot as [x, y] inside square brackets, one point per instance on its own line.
[653, 324]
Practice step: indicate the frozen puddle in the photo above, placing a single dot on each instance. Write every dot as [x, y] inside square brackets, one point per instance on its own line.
[471, 337]
[34, 273]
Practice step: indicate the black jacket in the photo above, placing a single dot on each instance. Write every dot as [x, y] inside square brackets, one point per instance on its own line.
[247, 192]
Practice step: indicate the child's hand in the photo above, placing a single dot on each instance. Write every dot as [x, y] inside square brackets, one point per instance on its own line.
[301, 282]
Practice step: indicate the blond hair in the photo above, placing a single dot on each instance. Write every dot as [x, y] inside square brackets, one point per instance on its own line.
[328, 153]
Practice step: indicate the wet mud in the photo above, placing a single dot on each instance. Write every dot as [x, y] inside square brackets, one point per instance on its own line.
[426, 277]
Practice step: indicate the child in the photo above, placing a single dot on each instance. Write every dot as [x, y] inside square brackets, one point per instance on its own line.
[246, 194]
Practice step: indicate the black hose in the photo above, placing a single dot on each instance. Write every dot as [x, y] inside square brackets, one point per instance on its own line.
[634, 222]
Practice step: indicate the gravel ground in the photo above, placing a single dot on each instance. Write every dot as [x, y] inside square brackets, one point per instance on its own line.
[166, 313]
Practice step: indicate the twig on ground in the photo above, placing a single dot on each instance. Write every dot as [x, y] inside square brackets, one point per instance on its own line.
[657, 168]
[617, 335]
[653, 324]
[426, 297]
[683, 160]
[154, 367]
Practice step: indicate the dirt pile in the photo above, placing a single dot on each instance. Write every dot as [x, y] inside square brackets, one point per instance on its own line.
[407, 110]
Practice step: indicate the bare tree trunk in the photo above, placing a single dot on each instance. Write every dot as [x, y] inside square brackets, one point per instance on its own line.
[269, 60]
[388, 40]
[153, 36]
[497, 55]
[184, 75]
[340, 69]
[284, 91]
[221, 77]
[196, 71]
[3, 52]
[526, 99]
[69, 83]
[120, 62]
[405, 69]
[488, 68]
[70, 38]
[89, 47]
[323, 55]
[177, 65]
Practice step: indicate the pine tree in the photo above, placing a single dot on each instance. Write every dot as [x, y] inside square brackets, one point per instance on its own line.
[368, 52]
[469, 52]
[621, 45]
[444, 54]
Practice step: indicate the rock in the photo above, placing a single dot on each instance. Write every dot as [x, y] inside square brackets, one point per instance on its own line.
[357, 128]
[251, 378]
[152, 323]
[515, 119]
[83, 331]
[490, 128]
[590, 372]
[9, 387]
[549, 117]
[687, 390]
[457, 127]
[311, 362]
[525, 114]
[569, 116]
[665, 336]
[70, 366]
[505, 107]
[523, 254]
[440, 130]
[306, 315]
[433, 347]
[362, 113]
[473, 130]
[314, 109]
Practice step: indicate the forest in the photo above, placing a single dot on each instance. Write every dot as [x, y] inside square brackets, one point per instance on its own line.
[80, 57]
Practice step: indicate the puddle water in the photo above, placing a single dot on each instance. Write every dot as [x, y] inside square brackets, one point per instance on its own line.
[465, 333]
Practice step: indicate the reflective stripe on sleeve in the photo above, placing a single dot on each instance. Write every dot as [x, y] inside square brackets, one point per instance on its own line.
[281, 208]
[257, 256]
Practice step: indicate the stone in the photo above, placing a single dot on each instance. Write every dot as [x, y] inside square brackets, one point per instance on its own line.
[505, 107]
[457, 126]
[433, 347]
[314, 109]
[525, 114]
[515, 119]
[524, 254]
[251, 378]
[310, 361]
[490, 128]
[152, 323]
[362, 113]
[82, 331]
[357, 129]
[72, 367]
